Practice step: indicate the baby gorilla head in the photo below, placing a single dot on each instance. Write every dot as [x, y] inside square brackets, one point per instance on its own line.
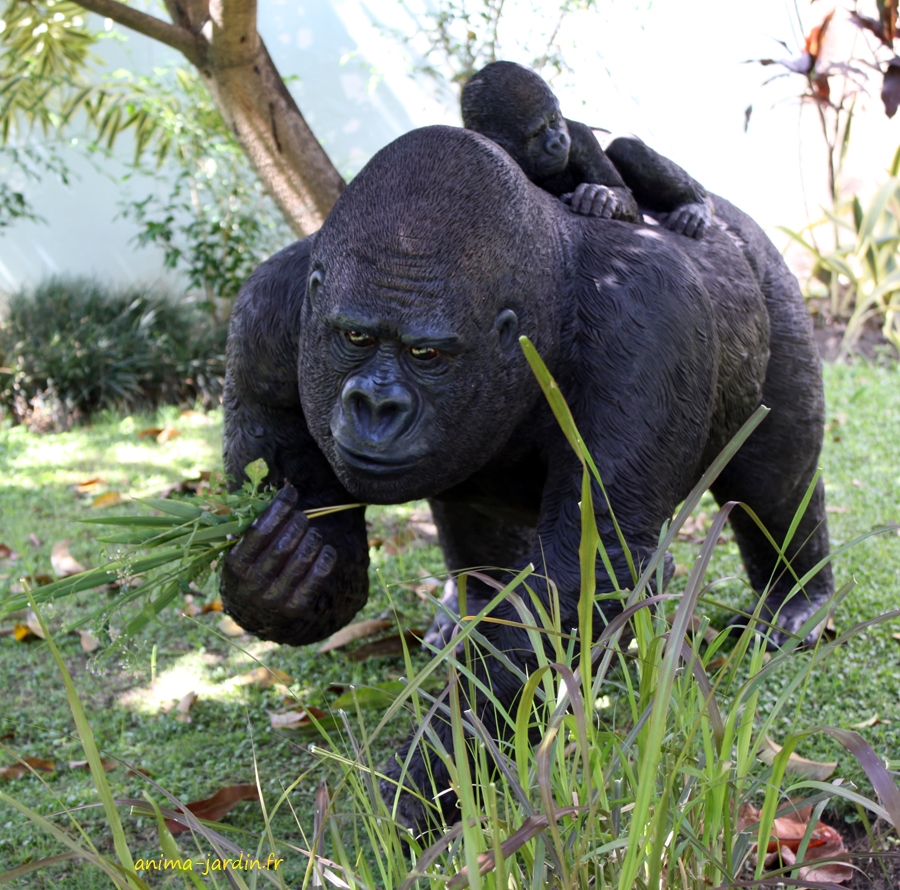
[513, 107]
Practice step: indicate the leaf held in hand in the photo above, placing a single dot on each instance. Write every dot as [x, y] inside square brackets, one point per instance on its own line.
[256, 471]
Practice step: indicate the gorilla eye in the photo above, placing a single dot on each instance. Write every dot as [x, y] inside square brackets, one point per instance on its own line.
[423, 353]
[359, 339]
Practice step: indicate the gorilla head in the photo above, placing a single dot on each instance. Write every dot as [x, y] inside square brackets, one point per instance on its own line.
[421, 281]
[513, 107]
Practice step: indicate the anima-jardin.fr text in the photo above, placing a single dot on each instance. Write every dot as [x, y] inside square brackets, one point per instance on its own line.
[205, 866]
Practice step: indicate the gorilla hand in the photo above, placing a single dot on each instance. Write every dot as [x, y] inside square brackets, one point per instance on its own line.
[591, 199]
[282, 582]
[691, 220]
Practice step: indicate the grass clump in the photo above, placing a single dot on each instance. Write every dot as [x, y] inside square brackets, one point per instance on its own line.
[72, 346]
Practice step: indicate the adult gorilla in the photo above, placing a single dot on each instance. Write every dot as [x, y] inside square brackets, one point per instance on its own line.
[409, 382]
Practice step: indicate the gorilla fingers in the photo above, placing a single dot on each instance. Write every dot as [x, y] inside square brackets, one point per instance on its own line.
[591, 199]
[691, 220]
[280, 561]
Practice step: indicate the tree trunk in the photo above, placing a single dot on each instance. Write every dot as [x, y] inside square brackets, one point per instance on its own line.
[220, 38]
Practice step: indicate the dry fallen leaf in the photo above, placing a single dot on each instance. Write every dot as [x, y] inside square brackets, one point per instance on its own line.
[787, 834]
[392, 645]
[5, 552]
[214, 606]
[166, 433]
[396, 544]
[296, 719]
[874, 720]
[19, 770]
[62, 561]
[190, 609]
[228, 626]
[357, 631]
[153, 431]
[35, 540]
[84, 764]
[89, 643]
[212, 809]
[138, 771]
[183, 708]
[109, 499]
[799, 766]
[88, 485]
[23, 633]
[196, 416]
[264, 678]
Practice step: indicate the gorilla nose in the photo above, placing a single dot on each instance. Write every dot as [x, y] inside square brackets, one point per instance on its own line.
[377, 413]
[558, 145]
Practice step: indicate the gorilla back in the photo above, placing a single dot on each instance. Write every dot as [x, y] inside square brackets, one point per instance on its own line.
[409, 382]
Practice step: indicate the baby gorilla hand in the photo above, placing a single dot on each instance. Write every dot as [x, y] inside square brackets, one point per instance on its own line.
[689, 219]
[591, 199]
[280, 563]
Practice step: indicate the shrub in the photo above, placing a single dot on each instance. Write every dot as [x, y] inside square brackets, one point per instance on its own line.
[72, 346]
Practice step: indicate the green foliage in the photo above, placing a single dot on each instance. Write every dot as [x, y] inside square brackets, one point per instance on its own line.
[72, 346]
[215, 223]
[459, 37]
[864, 273]
[45, 51]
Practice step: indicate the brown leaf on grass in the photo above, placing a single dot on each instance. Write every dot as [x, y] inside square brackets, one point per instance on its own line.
[183, 708]
[356, 631]
[166, 433]
[88, 485]
[196, 416]
[17, 771]
[212, 809]
[6, 552]
[152, 431]
[874, 720]
[799, 766]
[787, 834]
[213, 606]
[23, 633]
[89, 643]
[190, 609]
[264, 677]
[107, 765]
[396, 544]
[137, 771]
[295, 719]
[392, 645]
[109, 499]
[64, 564]
[228, 626]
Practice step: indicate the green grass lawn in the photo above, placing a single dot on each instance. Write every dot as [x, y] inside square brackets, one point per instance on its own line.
[130, 693]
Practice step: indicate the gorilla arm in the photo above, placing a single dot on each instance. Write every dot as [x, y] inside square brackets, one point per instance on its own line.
[289, 579]
[660, 185]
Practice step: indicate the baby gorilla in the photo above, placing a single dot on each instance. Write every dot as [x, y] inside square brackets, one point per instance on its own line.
[512, 106]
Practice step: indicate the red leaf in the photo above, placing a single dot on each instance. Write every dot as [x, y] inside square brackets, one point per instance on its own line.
[890, 90]
[212, 809]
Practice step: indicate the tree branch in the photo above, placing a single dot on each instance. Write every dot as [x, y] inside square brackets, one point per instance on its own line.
[148, 25]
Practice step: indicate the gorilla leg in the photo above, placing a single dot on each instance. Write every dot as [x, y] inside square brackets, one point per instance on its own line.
[472, 536]
[773, 470]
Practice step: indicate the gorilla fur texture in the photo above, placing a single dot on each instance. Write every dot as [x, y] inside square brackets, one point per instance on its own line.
[378, 361]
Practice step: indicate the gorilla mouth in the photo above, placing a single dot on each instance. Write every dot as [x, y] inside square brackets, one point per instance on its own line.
[377, 464]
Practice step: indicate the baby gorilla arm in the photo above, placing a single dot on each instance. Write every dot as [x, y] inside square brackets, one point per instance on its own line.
[679, 202]
[600, 190]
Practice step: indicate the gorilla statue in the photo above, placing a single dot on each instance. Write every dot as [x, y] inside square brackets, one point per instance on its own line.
[378, 361]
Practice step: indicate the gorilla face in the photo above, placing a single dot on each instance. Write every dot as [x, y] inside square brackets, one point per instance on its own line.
[396, 387]
[410, 372]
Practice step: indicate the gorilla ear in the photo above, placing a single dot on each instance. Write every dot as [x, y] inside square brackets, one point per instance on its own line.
[313, 285]
[507, 327]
